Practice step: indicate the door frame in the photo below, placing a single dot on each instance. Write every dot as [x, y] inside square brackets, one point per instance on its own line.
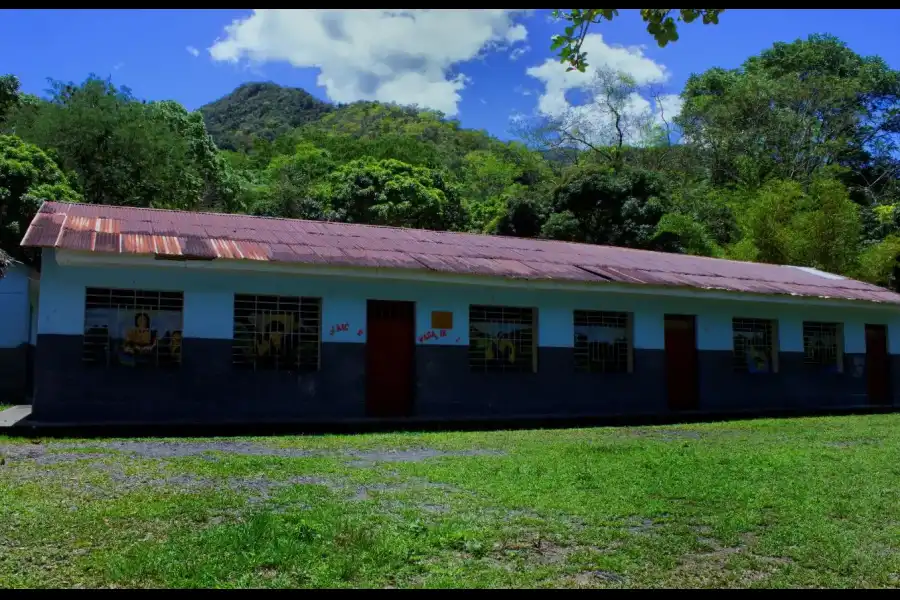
[410, 407]
[694, 402]
[886, 401]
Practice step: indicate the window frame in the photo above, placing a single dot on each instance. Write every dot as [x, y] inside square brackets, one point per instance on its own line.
[838, 345]
[142, 301]
[241, 339]
[585, 366]
[774, 346]
[481, 365]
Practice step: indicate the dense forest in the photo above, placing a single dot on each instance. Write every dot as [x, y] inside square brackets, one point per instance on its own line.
[791, 158]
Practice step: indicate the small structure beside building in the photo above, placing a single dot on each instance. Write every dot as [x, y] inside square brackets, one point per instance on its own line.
[18, 329]
[153, 316]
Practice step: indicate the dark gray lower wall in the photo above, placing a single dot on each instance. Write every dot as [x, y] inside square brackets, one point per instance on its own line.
[796, 385]
[446, 386]
[206, 388]
[15, 374]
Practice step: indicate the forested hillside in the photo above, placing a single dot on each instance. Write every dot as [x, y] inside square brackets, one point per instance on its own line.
[791, 158]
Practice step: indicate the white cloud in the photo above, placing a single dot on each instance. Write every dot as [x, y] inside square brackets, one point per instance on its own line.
[668, 106]
[522, 90]
[118, 66]
[192, 51]
[403, 56]
[518, 52]
[630, 60]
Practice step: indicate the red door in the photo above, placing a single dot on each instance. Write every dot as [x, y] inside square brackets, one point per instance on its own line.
[390, 350]
[681, 362]
[877, 365]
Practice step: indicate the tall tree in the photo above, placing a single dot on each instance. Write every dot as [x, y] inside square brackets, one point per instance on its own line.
[28, 176]
[9, 95]
[389, 192]
[793, 110]
[615, 118]
[126, 152]
[598, 205]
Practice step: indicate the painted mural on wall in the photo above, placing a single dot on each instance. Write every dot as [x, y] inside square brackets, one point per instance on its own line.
[133, 336]
[502, 343]
[276, 340]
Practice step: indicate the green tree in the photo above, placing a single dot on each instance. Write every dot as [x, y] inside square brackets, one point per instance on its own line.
[292, 181]
[599, 205]
[660, 24]
[9, 95]
[879, 263]
[795, 109]
[389, 192]
[125, 152]
[28, 176]
[783, 224]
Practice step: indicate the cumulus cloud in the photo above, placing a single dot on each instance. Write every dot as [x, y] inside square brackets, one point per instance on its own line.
[555, 100]
[192, 51]
[403, 56]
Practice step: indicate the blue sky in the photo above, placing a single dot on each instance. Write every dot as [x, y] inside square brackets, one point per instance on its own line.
[483, 65]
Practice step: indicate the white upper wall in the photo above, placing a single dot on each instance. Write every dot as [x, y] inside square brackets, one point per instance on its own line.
[15, 307]
[209, 296]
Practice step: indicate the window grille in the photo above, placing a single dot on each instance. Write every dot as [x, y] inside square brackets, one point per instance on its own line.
[821, 344]
[602, 342]
[501, 339]
[277, 333]
[135, 328]
[754, 348]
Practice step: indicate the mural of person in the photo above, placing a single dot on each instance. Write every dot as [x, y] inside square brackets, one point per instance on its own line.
[140, 339]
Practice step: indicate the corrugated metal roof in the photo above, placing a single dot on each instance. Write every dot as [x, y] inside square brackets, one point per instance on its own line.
[127, 230]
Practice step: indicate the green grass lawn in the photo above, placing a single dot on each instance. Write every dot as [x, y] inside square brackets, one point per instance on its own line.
[772, 503]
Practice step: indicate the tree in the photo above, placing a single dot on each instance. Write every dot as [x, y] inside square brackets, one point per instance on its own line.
[28, 176]
[783, 224]
[879, 263]
[617, 117]
[9, 95]
[793, 110]
[660, 25]
[598, 205]
[291, 182]
[390, 192]
[125, 152]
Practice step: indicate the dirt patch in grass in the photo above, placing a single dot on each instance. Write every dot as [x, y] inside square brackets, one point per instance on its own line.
[722, 565]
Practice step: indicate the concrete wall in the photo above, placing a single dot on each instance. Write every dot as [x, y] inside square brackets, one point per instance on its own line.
[207, 385]
[15, 334]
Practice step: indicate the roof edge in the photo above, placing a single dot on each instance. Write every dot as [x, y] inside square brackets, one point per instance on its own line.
[94, 259]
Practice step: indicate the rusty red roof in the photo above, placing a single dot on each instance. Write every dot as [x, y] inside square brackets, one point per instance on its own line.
[116, 229]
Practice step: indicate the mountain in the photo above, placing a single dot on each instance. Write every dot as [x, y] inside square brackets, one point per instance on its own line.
[261, 109]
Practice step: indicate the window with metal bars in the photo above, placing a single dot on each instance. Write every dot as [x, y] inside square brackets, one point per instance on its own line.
[602, 341]
[501, 339]
[134, 328]
[277, 333]
[821, 345]
[754, 345]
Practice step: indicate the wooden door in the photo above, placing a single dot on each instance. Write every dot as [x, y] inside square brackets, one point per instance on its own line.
[390, 358]
[681, 362]
[877, 365]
